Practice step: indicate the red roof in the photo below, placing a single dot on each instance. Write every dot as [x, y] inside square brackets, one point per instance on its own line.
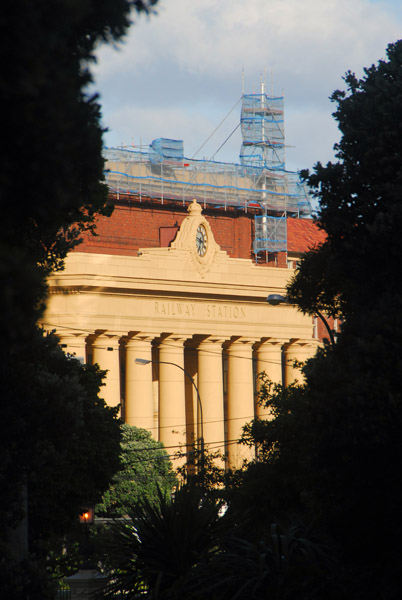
[303, 234]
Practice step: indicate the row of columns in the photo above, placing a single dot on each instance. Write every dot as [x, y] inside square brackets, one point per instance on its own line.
[176, 417]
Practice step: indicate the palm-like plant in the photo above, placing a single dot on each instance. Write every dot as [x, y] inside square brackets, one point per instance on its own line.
[156, 549]
[182, 548]
[287, 565]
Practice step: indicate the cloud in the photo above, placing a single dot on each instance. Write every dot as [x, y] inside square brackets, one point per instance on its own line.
[181, 71]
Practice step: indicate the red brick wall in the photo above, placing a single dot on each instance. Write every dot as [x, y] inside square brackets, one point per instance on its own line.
[233, 231]
[334, 325]
[135, 225]
[131, 226]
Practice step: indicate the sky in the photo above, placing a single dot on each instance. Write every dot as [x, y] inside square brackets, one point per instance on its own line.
[179, 73]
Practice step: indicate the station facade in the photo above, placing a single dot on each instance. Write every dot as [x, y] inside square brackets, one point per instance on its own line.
[171, 302]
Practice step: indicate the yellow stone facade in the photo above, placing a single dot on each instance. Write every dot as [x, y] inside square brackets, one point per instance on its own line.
[206, 314]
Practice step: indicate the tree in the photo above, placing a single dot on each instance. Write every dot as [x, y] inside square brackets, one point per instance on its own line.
[51, 189]
[145, 473]
[272, 487]
[360, 208]
[51, 183]
[77, 441]
[71, 436]
[333, 449]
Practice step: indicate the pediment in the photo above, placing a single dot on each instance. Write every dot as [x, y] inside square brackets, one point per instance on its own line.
[185, 243]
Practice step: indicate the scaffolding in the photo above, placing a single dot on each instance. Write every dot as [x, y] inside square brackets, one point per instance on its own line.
[262, 127]
[155, 175]
[162, 172]
[270, 234]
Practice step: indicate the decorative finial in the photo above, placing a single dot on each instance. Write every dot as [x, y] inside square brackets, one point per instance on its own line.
[194, 208]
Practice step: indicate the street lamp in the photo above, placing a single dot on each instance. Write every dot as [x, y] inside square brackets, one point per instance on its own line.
[86, 517]
[144, 361]
[275, 299]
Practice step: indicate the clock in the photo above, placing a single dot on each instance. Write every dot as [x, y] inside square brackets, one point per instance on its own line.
[201, 240]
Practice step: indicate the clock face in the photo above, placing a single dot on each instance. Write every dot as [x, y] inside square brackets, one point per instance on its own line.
[201, 240]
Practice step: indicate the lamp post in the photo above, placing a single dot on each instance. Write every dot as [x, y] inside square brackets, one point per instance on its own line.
[144, 361]
[87, 582]
[275, 299]
[86, 518]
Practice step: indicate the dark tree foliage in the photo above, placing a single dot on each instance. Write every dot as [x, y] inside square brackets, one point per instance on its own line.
[62, 450]
[270, 489]
[292, 563]
[51, 190]
[332, 453]
[314, 288]
[77, 441]
[360, 208]
[51, 178]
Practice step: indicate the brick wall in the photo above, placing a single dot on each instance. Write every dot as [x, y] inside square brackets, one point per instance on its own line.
[135, 225]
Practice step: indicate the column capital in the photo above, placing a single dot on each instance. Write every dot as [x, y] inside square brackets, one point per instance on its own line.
[215, 340]
[242, 341]
[73, 342]
[103, 342]
[67, 332]
[173, 339]
[140, 337]
[272, 342]
[302, 343]
[108, 333]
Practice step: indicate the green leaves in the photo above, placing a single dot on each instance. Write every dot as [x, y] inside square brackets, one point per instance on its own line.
[145, 473]
[359, 196]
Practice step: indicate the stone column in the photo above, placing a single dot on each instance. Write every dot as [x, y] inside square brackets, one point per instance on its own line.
[299, 350]
[105, 352]
[139, 405]
[210, 386]
[172, 401]
[240, 402]
[269, 360]
[73, 343]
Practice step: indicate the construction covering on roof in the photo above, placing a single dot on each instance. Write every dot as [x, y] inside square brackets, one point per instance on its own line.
[164, 149]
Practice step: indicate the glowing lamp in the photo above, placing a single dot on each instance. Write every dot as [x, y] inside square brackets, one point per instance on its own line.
[86, 515]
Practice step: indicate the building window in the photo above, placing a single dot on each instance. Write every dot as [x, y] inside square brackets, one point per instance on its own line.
[315, 327]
